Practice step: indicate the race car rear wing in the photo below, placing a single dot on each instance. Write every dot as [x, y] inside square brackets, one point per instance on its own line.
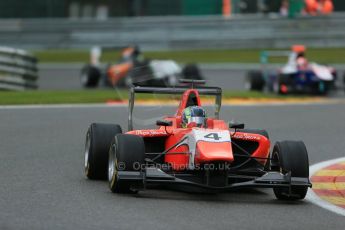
[203, 90]
[265, 55]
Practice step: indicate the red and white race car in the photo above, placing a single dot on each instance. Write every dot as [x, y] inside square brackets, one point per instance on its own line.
[208, 156]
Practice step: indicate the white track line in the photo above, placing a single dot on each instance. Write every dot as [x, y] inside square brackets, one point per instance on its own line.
[315, 199]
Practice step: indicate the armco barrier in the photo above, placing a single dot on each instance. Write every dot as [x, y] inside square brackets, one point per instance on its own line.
[172, 32]
[18, 69]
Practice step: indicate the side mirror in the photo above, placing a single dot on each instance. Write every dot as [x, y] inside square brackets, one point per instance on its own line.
[164, 123]
[233, 125]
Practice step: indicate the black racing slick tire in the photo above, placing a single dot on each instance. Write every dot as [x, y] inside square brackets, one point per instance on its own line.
[192, 71]
[254, 81]
[126, 153]
[290, 156]
[90, 76]
[98, 140]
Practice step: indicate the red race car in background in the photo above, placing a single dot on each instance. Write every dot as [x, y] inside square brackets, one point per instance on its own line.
[132, 67]
[207, 156]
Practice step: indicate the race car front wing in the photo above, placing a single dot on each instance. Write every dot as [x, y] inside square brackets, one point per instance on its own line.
[156, 176]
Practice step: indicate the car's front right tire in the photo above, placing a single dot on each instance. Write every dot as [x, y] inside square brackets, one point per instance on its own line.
[98, 139]
[126, 153]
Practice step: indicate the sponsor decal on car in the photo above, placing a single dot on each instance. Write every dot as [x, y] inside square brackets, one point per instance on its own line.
[246, 136]
[148, 133]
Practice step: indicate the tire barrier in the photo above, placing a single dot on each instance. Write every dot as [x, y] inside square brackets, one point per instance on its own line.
[18, 69]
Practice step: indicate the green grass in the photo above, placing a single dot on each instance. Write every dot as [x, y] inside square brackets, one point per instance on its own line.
[56, 97]
[102, 96]
[327, 55]
[256, 95]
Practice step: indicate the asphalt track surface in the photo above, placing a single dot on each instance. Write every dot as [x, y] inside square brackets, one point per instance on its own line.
[43, 186]
[56, 78]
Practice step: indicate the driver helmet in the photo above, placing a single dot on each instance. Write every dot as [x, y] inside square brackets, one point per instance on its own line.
[194, 114]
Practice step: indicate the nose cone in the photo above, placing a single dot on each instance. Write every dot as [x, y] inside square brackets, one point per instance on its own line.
[209, 152]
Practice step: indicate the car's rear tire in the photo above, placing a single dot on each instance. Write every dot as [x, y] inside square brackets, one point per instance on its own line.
[290, 156]
[98, 139]
[192, 71]
[126, 153]
[90, 76]
[254, 81]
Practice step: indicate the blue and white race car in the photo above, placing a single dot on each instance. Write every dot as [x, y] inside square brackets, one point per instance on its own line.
[297, 76]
